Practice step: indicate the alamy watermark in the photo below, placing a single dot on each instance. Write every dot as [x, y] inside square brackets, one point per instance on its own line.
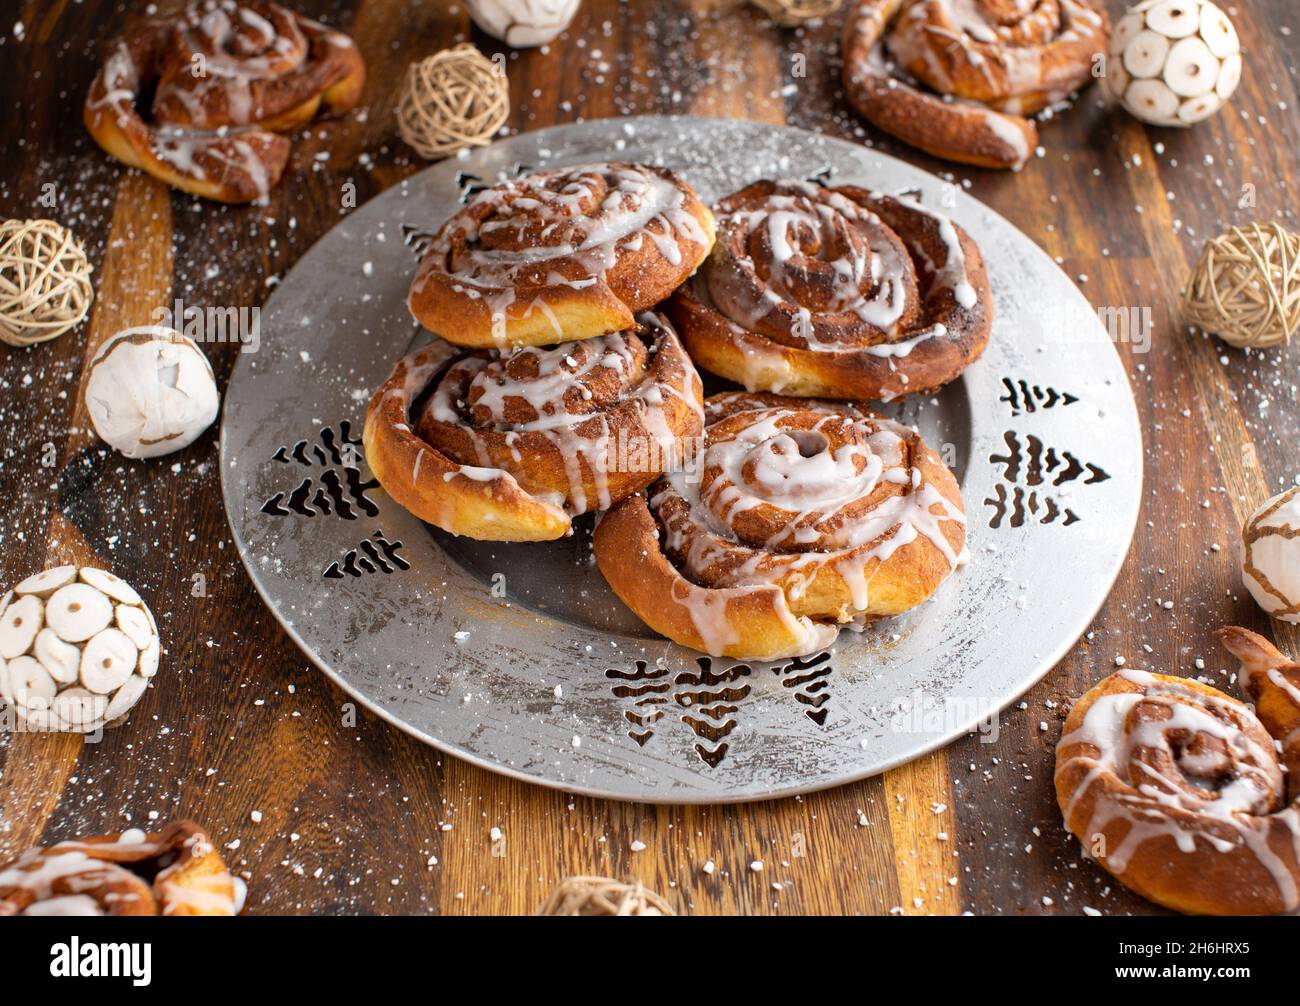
[919, 713]
[84, 715]
[1127, 326]
[219, 325]
[634, 453]
[1063, 321]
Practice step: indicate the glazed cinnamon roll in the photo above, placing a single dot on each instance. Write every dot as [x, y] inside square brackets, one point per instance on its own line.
[560, 255]
[176, 871]
[1185, 794]
[987, 64]
[227, 79]
[835, 293]
[801, 516]
[511, 445]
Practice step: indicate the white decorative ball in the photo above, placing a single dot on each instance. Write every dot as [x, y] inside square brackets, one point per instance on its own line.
[1173, 62]
[77, 649]
[523, 23]
[151, 391]
[1270, 563]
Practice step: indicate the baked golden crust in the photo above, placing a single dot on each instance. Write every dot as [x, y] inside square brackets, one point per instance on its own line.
[176, 871]
[509, 446]
[631, 560]
[808, 515]
[1177, 789]
[1000, 65]
[228, 79]
[835, 293]
[560, 255]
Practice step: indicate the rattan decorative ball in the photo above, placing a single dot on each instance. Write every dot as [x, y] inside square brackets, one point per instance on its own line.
[454, 99]
[792, 13]
[44, 281]
[1246, 286]
[603, 896]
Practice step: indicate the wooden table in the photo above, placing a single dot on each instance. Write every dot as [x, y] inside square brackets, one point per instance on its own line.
[241, 733]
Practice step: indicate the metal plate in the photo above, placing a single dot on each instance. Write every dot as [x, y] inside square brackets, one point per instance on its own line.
[520, 659]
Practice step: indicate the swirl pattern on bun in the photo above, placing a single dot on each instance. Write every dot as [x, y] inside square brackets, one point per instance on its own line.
[228, 80]
[510, 445]
[176, 871]
[806, 516]
[835, 293]
[957, 78]
[1185, 794]
[560, 255]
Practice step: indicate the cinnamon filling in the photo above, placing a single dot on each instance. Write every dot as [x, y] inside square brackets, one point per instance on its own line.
[790, 494]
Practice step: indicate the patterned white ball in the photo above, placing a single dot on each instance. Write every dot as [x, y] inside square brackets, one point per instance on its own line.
[523, 23]
[78, 647]
[1173, 62]
[1270, 556]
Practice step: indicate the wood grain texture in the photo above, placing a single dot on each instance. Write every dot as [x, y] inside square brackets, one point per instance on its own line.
[356, 818]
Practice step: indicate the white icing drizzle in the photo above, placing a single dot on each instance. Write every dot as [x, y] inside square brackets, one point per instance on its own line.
[1192, 806]
[718, 632]
[512, 237]
[206, 125]
[1006, 131]
[870, 277]
[68, 905]
[185, 150]
[952, 274]
[987, 63]
[38, 871]
[581, 431]
[812, 484]
[80, 867]
[1018, 58]
[239, 41]
[214, 893]
[1275, 676]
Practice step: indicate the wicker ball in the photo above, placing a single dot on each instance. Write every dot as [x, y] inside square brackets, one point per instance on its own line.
[792, 13]
[44, 281]
[454, 99]
[1246, 286]
[603, 896]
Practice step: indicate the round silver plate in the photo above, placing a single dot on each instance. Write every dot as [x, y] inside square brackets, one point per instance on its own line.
[520, 659]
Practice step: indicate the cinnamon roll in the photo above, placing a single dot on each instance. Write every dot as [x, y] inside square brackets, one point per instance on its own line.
[510, 445]
[835, 293]
[987, 63]
[560, 255]
[1185, 794]
[176, 871]
[224, 81]
[802, 516]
